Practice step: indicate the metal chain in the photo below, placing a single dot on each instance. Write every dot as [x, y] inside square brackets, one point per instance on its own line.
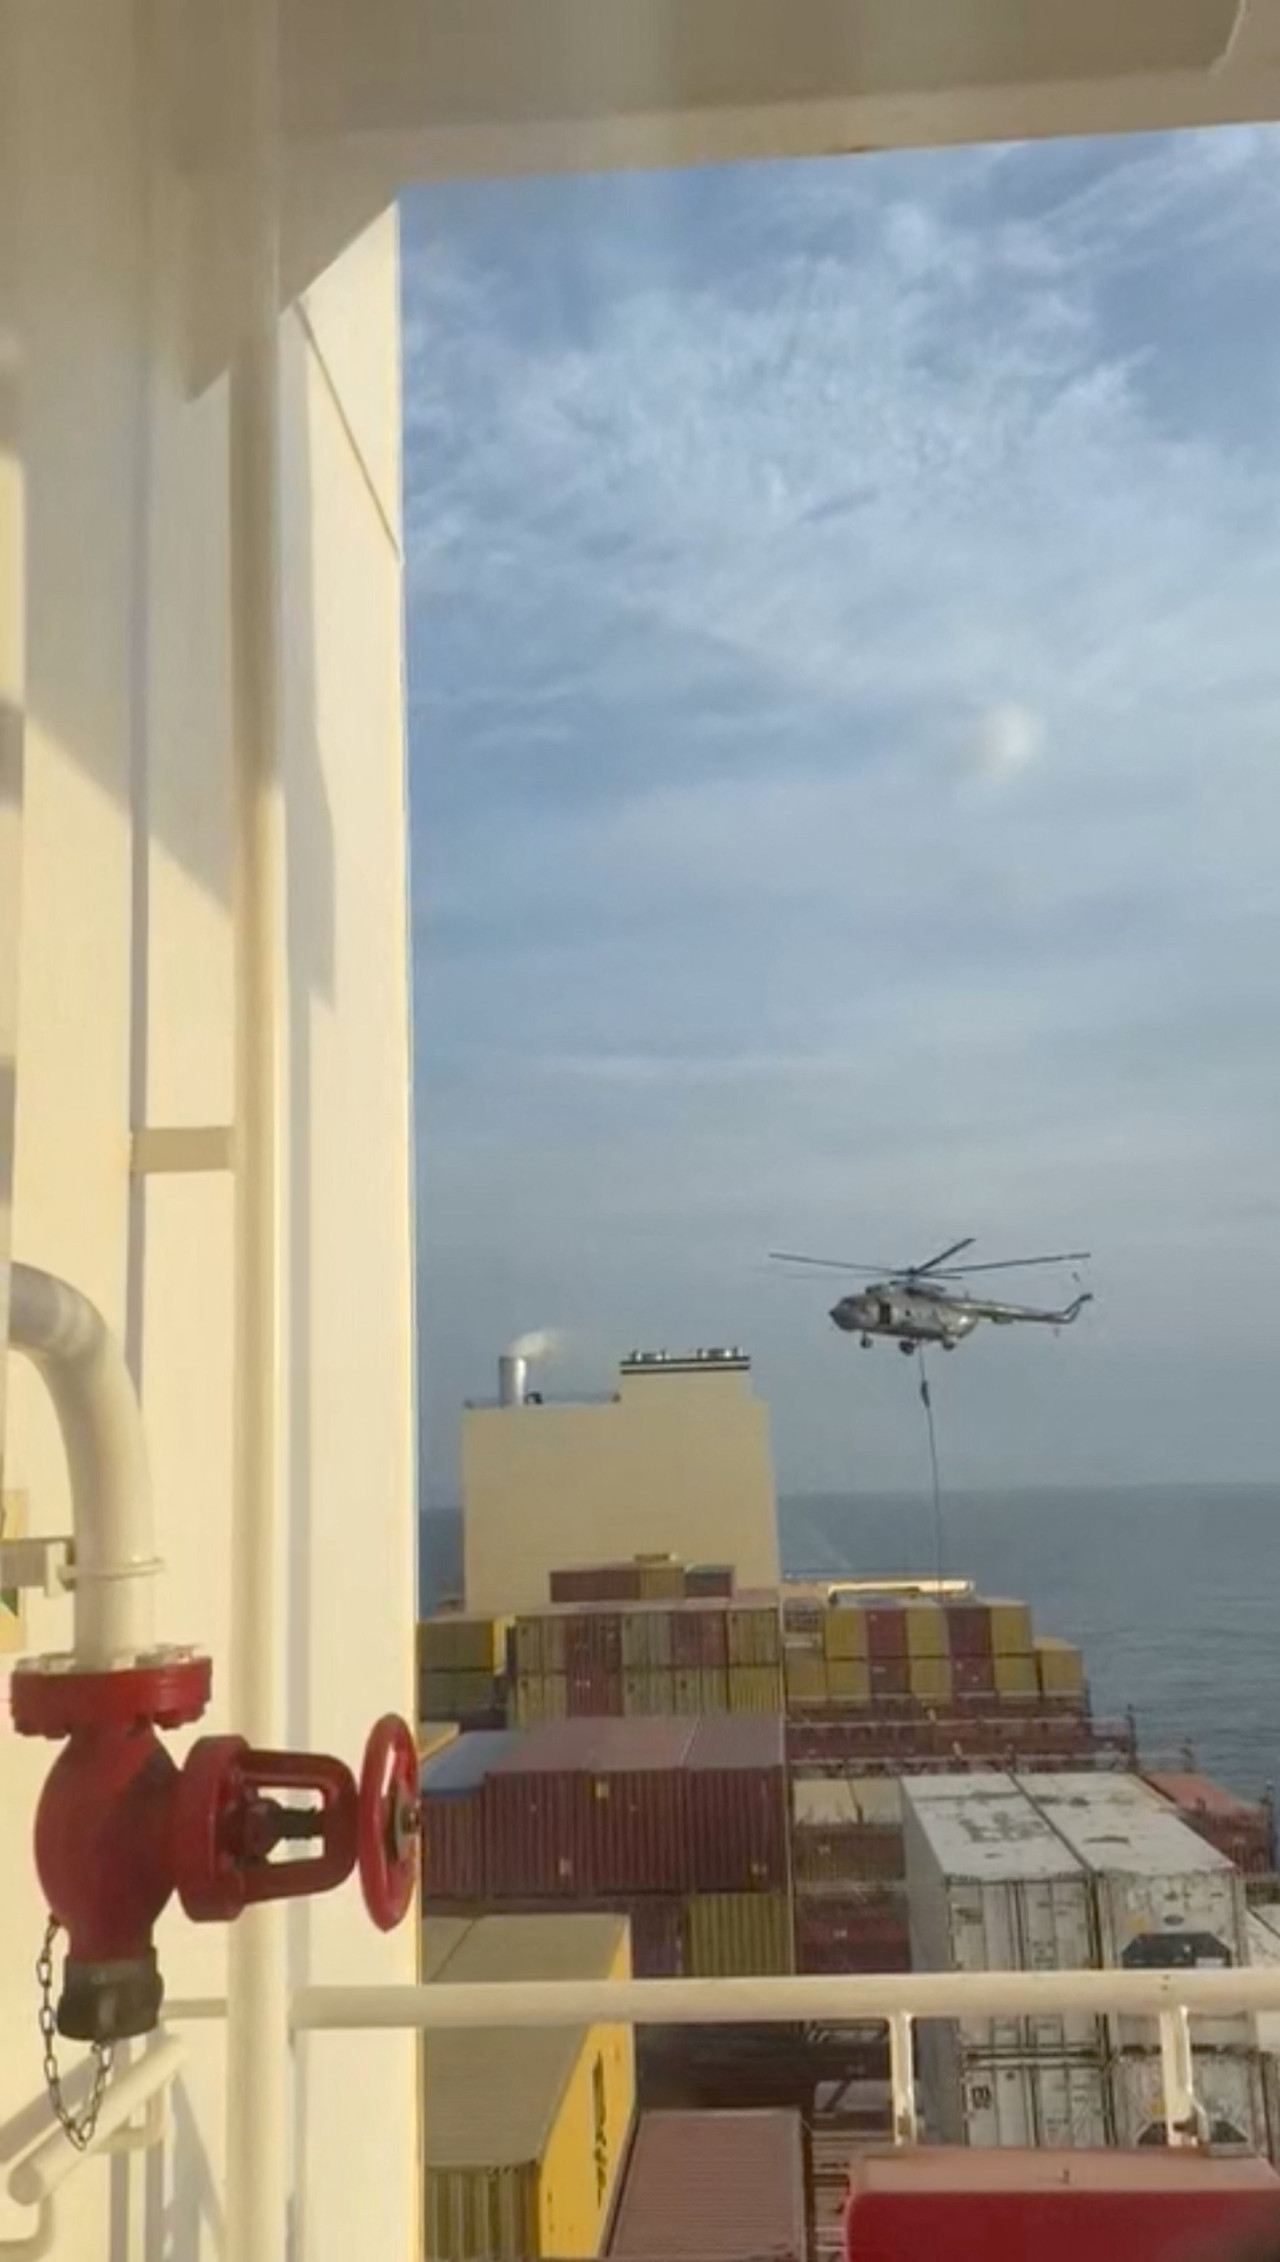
[78, 2129]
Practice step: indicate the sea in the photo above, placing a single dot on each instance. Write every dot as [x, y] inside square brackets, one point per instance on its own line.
[1173, 1592]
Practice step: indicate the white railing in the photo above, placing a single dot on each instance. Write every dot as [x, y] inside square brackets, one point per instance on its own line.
[893, 2000]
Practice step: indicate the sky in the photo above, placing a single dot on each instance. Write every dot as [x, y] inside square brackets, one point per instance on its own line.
[844, 675]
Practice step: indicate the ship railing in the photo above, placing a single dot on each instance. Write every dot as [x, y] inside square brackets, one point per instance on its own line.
[893, 2001]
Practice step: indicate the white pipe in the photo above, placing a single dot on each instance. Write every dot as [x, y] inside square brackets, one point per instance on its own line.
[846, 1998]
[43, 2170]
[258, 2060]
[83, 1370]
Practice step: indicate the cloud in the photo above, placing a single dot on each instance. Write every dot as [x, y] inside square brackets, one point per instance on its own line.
[842, 607]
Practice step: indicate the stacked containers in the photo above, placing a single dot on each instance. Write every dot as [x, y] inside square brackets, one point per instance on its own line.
[453, 1836]
[588, 1807]
[991, 1886]
[735, 1785]
[1060, 1674]
[1166, 1899]
[648, 1659]
[462, 1669]
[847, 1858]
[526, 2129]
[644, 1578]
[716, 2185]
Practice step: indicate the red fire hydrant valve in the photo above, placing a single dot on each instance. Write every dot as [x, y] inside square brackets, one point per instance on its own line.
[120, 1828]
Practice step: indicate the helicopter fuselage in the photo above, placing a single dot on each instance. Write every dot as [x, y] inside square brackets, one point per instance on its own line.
[908, 1315]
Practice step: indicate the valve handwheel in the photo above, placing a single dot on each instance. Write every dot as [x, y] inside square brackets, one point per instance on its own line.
[389, 1821]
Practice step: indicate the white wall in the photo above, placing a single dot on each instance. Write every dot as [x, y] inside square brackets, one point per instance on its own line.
[125, 1020]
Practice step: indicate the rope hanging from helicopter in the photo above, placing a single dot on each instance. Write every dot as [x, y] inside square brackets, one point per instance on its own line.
[926, 1400]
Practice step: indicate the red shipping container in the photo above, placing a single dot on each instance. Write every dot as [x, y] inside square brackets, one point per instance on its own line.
[715, 2185]
[890, 1677]
[594, 1693]
[886, 1631]
[698, 1635]
[974, 1676]
[453, 1863]
[737, 1804]
[968, 1629]
[997, 2205]
[593, 1639]
[584, 1807]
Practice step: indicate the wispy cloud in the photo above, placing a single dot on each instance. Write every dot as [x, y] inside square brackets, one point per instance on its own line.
[845, 707]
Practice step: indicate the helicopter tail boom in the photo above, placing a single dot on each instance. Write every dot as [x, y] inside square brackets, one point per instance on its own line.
[1008, 1313]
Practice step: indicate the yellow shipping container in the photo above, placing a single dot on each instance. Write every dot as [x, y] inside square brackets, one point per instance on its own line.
[1010, 1629]
[457, 1695]
[526, 2130]
[661, 1579]
[435, 1736]
[805, 1670]
[454, 1644]
[648, 1695]
[737, 1935]
[931, 1679]
[755, 1688]
[844, 1631]
[1060, 1666]
[753, 1636]
[540, 1696]
[926, 1630]
[646, 1640]
[848, 1680]
[1016, 1677]
[526, 1645]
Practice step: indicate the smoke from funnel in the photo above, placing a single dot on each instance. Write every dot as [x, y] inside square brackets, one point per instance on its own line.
[539, 1345]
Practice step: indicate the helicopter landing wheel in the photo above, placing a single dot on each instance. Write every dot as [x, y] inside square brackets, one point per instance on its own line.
[906, 1349]
[865, 1342]
[947, 1343]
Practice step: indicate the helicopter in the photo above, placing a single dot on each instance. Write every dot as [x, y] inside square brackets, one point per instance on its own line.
[915, 1306]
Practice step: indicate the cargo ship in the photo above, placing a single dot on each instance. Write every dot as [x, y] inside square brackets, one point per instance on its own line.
[735, 1773]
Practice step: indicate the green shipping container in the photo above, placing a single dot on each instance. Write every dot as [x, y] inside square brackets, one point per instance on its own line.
[527, 1645]
[648, 1695]
[538, 1697]
[646, 1640]
[457, 1696]
[737, 1935]
[754, 1636]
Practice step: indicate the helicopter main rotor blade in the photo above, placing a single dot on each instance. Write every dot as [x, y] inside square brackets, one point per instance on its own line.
[1017, 1264]
[828, 1264]
[919, 1272]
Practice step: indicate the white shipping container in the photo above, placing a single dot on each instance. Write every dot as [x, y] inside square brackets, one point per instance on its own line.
[847, 1802]
[1058, 2102]
[1263, 1936]
[992, 1887]
[1165, 1899]
[1229, 2091]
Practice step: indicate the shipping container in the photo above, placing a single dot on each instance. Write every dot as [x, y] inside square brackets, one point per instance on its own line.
[753, 1636]
[594, 1693]
[968, 1629]
[538, 1697]
[849, 1680]
[890, 1677]
[583, 1807]
[846, 1830]
[453, 1643]
[862, 1930]
[661, 1579]
[710, 1580]
[887, 1633]
[525, 2130]
[652, 1695]
[1010, 1629]
[646, 1639]
[1062, 2103]
[459, 1695]
[974, 1676]
[657, 1935]
[698, 1634]
[1015, 1676]
[844, 1632]
[991, 1886]
[1059, 1665]
[736, 1805]
[1242, 1829]
[1229, 2091]
[927, 1632]
[756, 1688]
[805, 1671]
[737, 1935]
[931, 1679]
[452, 1818]
[713, 1689]
[1164, 1897]
[715, 2186]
